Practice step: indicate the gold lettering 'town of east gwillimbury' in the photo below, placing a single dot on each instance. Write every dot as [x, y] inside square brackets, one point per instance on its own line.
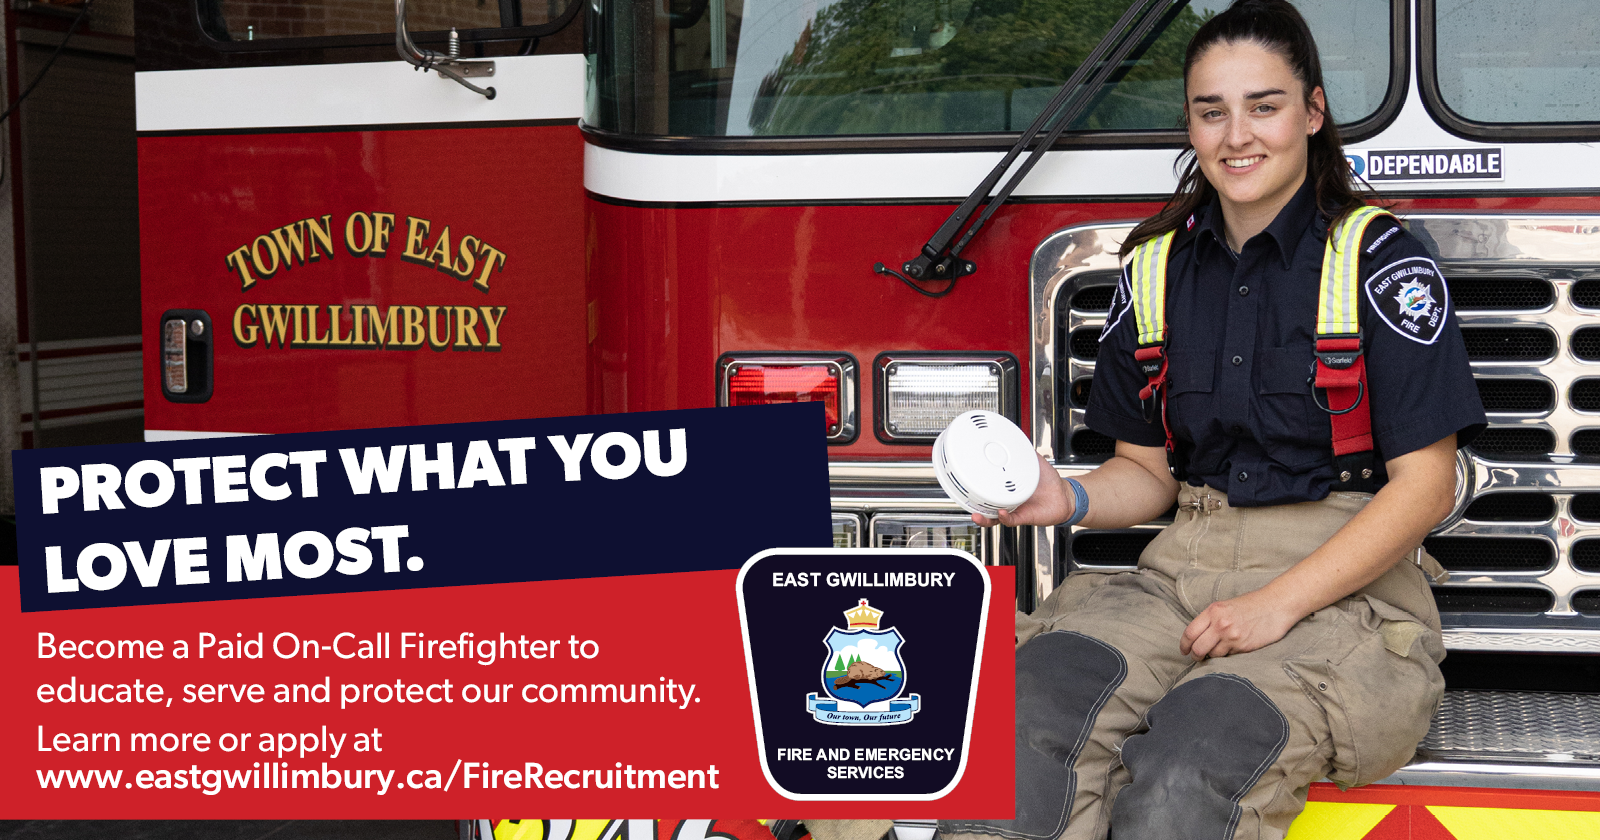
[364, 326]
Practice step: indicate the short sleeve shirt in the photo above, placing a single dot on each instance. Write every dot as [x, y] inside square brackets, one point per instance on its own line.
[1241, 333]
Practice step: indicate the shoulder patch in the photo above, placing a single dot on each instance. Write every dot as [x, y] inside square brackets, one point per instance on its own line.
[1121, 302]
[1386, 235]
[1411, 297]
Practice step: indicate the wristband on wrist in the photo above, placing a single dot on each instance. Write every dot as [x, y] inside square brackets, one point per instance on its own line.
[1080, 503]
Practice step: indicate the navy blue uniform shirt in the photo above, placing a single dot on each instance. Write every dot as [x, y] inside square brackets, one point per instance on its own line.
[1240, 336]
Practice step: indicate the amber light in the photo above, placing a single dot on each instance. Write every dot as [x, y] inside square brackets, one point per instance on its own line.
[751, 384]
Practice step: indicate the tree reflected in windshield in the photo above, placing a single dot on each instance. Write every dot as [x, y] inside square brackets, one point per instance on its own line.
[916, 66]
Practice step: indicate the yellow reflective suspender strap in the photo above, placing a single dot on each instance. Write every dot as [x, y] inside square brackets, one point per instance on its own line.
[1341, 370]
[1147, 281]
[1147, 274]
[1338, 297]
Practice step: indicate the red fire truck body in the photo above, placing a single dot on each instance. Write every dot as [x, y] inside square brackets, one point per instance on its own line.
[379, 278]
[637, 226]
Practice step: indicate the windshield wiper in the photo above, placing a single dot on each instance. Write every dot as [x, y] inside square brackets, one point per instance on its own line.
[939, 261]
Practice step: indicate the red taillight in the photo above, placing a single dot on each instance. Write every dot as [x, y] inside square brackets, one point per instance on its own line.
[753, 384]
[767, 379]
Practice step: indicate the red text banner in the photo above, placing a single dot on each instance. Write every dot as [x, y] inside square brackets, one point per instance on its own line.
[622, 696]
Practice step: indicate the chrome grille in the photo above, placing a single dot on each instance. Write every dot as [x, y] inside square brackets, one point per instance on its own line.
[1478, 554]
[1501, 395]
[1111, 548]
[1586, 344]
[1586, 442]
[1586, 506]
[1470, 293]
[1508, 344]
[1586, 555]
[1085, 344]
[1091, 446]
[1512, 507]
[1586, 293]
[1094, 298]
[1510, 442]
[1585, 395]
[1079, 392]
[1492, 599]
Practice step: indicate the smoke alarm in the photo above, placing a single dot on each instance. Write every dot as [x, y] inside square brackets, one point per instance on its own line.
[985, 463]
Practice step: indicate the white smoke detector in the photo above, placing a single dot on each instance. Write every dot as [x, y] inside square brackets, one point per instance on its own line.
[985, 463]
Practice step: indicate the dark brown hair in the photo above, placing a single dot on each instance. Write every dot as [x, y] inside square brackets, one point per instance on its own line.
[1277, 27]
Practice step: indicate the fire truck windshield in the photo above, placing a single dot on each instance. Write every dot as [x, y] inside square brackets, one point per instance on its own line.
[1535, 65]
[739, 68]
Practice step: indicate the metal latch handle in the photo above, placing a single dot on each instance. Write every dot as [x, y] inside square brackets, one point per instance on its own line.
[448, 66]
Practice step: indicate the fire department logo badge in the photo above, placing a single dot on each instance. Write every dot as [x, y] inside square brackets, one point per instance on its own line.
[848, 726]
[1415, 300]
[863, 677]
[1402, 296]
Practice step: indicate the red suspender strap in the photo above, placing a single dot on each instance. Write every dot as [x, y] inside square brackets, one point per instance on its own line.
[1153, 363]
[1341, 367]
[1342, 374]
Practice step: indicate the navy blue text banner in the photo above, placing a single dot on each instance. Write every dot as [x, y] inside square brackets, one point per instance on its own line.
[419, 506]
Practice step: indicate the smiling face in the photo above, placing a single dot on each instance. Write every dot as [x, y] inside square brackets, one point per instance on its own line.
[1248, 122]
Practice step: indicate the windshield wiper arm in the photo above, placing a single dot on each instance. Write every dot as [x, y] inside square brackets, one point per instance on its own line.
[938, 260]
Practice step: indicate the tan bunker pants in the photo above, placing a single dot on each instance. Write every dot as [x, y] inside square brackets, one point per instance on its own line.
[1119, 732]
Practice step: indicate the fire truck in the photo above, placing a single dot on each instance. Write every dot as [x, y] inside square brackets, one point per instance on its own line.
[357, 213]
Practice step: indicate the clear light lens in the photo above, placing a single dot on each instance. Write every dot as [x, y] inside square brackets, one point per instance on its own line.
[174, 362]
[924, 398]
[846, 531]
[766, 384]
[927, 532]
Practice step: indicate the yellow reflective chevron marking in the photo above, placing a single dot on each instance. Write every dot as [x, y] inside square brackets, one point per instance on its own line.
[521, 829]
[1147, 274]
[555, 829]
[578, 829]
[1338, 307]
[594, 829]
[1500, 823]
[1337, 821]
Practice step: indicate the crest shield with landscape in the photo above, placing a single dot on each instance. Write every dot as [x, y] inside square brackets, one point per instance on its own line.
[863, 666]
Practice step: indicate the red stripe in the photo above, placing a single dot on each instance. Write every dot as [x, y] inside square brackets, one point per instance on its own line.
[1466, 797]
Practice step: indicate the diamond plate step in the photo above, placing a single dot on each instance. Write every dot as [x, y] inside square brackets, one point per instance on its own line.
[1515, 725]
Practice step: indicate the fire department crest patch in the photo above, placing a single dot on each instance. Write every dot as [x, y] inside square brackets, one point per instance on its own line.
[863, 666]
[1411, 297]
[863, 674]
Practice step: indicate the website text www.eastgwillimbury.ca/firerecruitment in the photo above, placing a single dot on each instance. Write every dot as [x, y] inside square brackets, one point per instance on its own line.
[464, 775]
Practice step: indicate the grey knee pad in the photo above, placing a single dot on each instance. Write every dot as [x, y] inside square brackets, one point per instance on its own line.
[1209, 741]
[1063, 681]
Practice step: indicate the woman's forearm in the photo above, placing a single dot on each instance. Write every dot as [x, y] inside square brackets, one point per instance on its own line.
[1133, 487]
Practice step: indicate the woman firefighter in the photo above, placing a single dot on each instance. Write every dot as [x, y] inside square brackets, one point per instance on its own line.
[1282, 361]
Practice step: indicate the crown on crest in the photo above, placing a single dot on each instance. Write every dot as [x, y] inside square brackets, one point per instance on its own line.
[863, 616]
